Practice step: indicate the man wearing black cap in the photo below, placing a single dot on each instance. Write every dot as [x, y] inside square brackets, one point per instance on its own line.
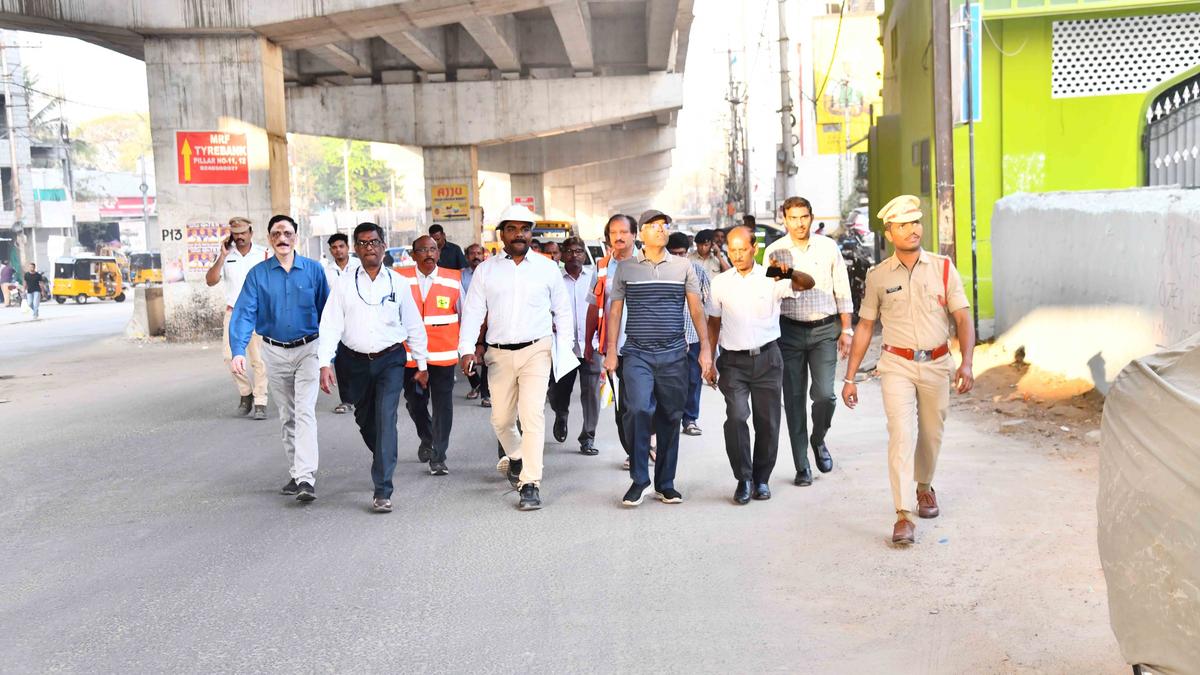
[450, 255]
[655, 285]
[677, 245]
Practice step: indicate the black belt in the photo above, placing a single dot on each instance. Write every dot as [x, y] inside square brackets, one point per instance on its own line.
[294, 343]
[750, 352]
[811, 324]
[373, 355]
[512, 347]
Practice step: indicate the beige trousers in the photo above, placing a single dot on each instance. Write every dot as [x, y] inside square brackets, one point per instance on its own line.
[518, 379]
[253, 358]
[913, 441]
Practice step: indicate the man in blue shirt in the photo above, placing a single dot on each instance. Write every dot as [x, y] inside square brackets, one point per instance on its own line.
[282, 300]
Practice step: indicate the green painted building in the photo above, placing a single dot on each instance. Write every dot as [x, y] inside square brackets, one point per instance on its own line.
[1067, 86]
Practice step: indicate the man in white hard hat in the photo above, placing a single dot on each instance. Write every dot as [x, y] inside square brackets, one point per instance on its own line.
[527, 308]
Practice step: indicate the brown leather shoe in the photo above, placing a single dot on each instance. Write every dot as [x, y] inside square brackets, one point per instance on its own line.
[927, 504]
[904, 532]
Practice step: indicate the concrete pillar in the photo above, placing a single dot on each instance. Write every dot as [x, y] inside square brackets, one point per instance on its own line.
[525, 185]
[452, 191]
[560, 203]
[231, 84]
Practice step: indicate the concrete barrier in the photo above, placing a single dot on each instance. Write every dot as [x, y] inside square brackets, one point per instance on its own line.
[149, 319]
[1089, 281]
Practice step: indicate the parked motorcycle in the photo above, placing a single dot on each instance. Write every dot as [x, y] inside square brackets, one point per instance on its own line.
[859, 257]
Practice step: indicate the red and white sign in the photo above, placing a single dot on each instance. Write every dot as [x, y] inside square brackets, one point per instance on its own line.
[527, 202]
[212, 158]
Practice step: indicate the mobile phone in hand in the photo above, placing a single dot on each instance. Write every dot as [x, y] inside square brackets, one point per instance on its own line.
[776, 272]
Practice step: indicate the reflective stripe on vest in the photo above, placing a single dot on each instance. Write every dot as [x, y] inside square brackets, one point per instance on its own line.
[439, 313]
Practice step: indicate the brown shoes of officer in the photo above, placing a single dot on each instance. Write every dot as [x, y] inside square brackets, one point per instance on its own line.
[927, 504]
[904, 532]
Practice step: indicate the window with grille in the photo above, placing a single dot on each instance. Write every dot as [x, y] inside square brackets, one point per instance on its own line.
[1121, 55]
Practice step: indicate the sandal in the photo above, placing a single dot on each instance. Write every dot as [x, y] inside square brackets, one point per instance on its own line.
[473, 394]
[342, 409]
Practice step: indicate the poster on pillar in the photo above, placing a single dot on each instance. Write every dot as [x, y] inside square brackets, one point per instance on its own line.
[212, 158]
[450, 201]
[204, 245]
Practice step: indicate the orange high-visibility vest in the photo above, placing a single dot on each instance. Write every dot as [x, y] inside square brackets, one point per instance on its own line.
[601, 283]
[440, 312]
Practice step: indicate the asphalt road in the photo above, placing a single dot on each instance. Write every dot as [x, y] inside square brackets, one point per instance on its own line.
[142, 532]
[59, 326]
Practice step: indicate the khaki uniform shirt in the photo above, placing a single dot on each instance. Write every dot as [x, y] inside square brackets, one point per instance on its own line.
[913, 306]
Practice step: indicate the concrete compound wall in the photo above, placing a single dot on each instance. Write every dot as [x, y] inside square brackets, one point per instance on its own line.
[1088, 281]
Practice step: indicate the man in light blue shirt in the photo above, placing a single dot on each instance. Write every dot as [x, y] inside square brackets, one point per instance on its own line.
[282, 300]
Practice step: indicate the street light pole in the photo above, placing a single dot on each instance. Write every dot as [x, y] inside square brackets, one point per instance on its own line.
[971, 159]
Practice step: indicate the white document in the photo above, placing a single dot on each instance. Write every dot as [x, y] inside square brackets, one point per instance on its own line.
[562, 359]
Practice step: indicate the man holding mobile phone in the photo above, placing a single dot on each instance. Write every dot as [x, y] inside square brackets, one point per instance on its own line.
[238, 254]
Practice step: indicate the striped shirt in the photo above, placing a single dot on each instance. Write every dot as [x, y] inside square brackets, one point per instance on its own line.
[822, 259]
[654, 297]
[705, 297]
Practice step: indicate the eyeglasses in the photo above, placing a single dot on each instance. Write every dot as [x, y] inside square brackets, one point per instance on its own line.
[369, 243]
[572, 251]
[426, 249]
[282, 234]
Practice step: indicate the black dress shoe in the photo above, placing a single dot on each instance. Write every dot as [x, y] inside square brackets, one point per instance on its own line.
[424, 453]
[803, 477]
[824, 461]
[742, 494]
[761, 491]
[560, 428]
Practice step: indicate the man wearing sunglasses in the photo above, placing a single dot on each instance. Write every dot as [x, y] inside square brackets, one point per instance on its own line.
[281, 300]
[372, 314]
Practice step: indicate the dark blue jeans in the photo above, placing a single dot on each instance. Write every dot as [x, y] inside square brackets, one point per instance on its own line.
[376, 385]
[691, 412]
[655, 392]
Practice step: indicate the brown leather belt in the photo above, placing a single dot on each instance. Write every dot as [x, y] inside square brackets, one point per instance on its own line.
[918, 355]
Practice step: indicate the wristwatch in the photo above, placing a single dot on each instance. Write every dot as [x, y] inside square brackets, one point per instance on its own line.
[848, 331]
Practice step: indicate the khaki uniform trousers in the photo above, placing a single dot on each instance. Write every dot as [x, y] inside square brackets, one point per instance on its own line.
[254, 359]
[913, 442]
[518, 379]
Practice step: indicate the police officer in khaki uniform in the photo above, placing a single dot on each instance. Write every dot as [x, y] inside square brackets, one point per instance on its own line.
[916, 294]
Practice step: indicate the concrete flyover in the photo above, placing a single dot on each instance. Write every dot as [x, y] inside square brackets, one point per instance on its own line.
[528, 87]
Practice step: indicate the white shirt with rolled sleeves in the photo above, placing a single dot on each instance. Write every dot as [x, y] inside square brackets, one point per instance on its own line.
[580, 292]
[522, 303]
[333, 272]
[748, 307]
[237, 266]
[370, 316]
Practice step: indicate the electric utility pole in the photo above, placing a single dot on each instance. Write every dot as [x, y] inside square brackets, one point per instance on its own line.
[785, 181]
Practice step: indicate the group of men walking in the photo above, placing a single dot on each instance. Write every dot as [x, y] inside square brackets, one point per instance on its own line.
[650, 325]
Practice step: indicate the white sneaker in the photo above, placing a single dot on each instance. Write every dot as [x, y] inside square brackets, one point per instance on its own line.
[502, 465]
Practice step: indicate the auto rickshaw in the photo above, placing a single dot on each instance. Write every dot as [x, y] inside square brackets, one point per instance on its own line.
[145, 267]
[86, 277]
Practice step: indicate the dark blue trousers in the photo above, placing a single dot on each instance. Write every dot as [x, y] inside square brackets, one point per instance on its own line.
[691, 411]
[376, 386]
[654, 387]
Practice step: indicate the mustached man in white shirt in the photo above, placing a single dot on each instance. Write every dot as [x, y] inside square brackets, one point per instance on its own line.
[527, 308]
[744, 321]
[371, 314]
[340, 264]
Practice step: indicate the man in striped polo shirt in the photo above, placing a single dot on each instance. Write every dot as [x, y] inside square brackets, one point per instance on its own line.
[655, 286]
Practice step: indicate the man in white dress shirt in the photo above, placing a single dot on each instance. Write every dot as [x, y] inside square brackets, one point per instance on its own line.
[527, 309]
[578, 281]
[744, 321]
[340, 263]
[371, 313]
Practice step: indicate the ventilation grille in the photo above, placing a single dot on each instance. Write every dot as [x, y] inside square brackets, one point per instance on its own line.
[1122, 55]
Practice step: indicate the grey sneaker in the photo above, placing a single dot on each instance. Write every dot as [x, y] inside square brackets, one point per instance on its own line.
[514, 472]
[438, 469]
[530, 499]
[260, 412]
[290, 489]
[305, 492]
[381, 505]
[245, 404]
[424, 453]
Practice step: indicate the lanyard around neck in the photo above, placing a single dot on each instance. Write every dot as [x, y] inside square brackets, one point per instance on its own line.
[391, 286]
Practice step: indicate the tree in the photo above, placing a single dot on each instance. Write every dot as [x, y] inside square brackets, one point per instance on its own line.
[319, 170]
[113, 142]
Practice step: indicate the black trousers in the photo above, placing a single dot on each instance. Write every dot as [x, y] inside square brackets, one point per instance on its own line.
[751, 383]
[433, 430]
[375, 386]
[339, 370]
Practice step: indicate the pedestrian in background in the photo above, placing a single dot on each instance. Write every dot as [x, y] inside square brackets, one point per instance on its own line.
[618, 236]
[704, 255]
[916, 295]
[579, 284]
[655, 286]
[436, 294]
[35, 281]
[238, 254]
[368, 321]
[476, 254]
[450, 255]
[677, 245]
[7, 274]
[281, 300]
[744, 321]
[523, 299]
[340, 263]
[815, 329]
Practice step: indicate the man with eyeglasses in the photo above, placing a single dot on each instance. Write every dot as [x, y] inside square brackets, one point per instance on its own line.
[340, 264]
[281, 300]
[372, 316]
[523, 298]
[435, 293]
[579, 288]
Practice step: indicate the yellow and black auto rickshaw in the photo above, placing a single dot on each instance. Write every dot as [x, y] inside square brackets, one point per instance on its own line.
[86, 277]
[145, 267]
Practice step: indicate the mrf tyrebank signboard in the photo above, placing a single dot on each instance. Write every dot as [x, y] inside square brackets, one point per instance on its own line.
[212, 158]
